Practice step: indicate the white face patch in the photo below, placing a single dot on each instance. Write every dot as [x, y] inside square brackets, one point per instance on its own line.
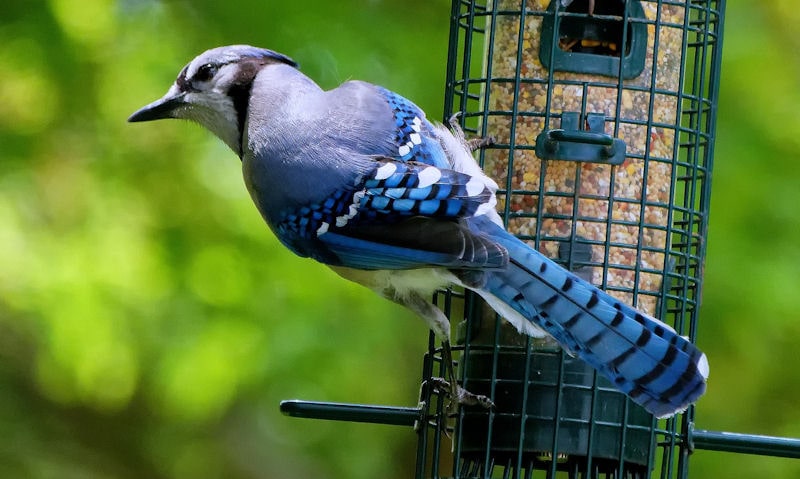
[215, 112]
[386, 171]
[221, 82]
[428, 176]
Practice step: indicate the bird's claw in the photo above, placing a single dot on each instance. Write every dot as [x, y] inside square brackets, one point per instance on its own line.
[472, 143]
[453, 121]
[478, 143]
[460, 396]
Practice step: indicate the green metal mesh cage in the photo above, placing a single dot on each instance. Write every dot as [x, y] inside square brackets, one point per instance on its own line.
[603, 119]
[602, 114]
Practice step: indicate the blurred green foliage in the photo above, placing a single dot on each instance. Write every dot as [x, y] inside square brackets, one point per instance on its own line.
[150, 323]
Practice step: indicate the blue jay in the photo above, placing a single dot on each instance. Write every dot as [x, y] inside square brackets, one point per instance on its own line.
[358, 179]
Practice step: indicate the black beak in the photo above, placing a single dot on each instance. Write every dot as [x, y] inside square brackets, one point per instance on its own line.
[162, 108]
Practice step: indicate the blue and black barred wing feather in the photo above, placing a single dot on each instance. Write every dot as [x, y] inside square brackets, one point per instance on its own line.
[414, 189]
[414, 135]
[401, 215]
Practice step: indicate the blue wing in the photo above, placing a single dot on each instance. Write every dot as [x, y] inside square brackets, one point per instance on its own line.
[359, 224]
[401, 215]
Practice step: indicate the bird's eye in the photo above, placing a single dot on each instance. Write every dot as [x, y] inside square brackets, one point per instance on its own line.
[205, 72]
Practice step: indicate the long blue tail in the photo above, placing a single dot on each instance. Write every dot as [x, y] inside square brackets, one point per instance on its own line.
[642, 356]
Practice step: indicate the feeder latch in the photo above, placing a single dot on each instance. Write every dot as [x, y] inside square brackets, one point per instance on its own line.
[572, 143]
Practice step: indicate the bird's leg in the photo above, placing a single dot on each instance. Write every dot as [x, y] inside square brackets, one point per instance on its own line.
[458, 395]
[440, 325]
[472, 143]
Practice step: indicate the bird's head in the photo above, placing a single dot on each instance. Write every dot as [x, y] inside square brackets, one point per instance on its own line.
[214, 91]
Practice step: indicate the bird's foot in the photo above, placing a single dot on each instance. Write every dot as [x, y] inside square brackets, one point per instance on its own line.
[460, 396]
[473, 143]
[456, 394]
[478, 143]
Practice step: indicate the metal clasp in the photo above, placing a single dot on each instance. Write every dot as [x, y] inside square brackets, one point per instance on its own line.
[572, 143]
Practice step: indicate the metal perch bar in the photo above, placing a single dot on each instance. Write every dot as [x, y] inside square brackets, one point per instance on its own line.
[409, 416]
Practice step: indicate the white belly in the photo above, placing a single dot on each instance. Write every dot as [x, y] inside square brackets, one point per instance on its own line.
[399, 282]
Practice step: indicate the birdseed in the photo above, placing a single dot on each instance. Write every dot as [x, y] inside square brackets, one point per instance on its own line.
[621, 211]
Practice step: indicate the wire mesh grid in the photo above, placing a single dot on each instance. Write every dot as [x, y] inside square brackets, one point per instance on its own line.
[533, 74]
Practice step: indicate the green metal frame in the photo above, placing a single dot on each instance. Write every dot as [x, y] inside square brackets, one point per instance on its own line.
[665, 446]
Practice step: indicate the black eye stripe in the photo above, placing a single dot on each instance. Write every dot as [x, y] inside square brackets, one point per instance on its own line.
[181, 81]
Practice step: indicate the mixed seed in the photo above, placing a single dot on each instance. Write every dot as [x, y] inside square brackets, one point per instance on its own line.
[621, 211]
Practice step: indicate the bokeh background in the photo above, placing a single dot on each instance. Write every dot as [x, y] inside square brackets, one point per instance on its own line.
[150, 323]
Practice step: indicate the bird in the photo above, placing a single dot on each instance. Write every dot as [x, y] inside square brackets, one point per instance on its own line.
[358, 178]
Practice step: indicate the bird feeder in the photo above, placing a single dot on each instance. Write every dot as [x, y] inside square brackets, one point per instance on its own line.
[603, 115]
